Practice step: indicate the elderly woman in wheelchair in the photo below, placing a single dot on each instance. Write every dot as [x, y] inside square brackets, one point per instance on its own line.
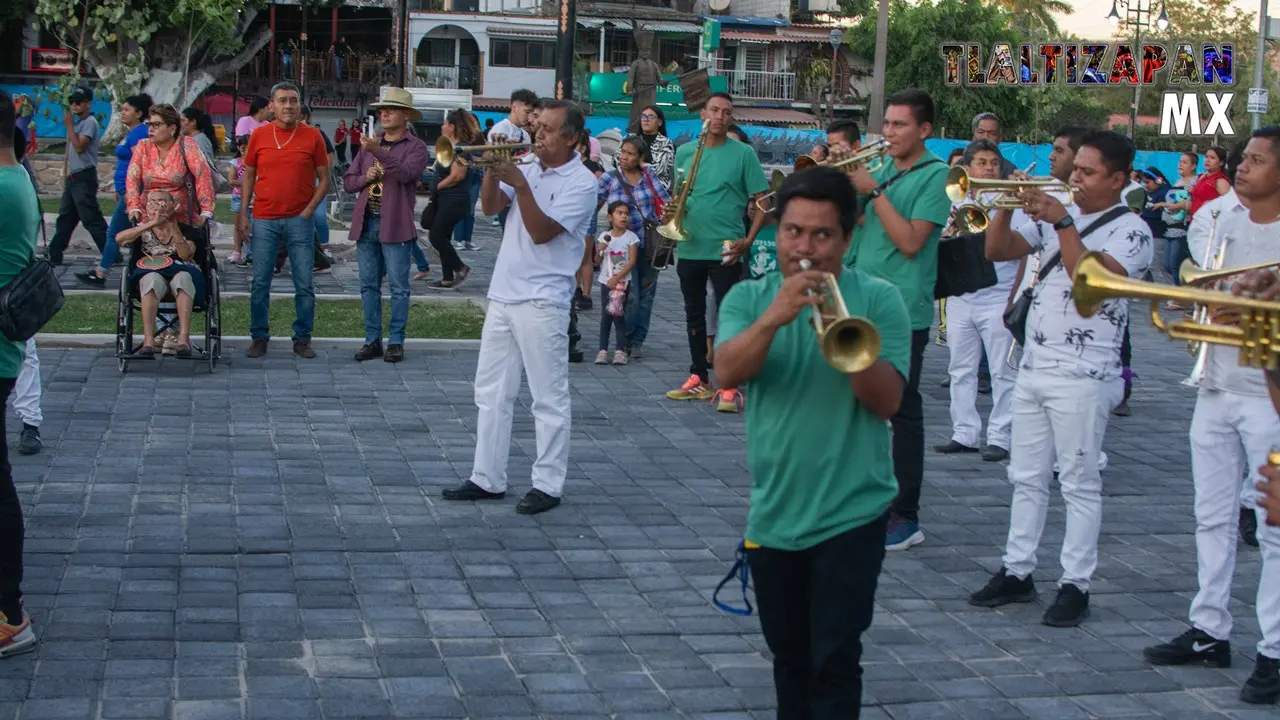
[166, 266]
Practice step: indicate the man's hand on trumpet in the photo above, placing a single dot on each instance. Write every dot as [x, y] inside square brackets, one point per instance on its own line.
[507, 172]
[1262, 284]
[1041, 206]
[668, 212]
[799, 291]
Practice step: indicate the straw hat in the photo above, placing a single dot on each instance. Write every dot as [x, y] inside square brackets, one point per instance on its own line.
[398, 99]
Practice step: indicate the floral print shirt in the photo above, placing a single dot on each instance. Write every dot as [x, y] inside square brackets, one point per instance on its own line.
[1059, 340]
[148, 172]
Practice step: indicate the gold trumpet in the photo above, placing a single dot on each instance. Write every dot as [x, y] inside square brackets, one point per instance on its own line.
[872, 156]
[999, 194]
[673, 229]
[849, 344]
[970, 219]
[1191, 274]
[486, 155]
[1257, 335]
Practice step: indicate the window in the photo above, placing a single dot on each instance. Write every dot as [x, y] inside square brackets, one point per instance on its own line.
[672, 49]
[522, 54]
[753, 60]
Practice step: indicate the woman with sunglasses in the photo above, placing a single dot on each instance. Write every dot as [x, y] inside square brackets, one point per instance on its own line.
[660, 154]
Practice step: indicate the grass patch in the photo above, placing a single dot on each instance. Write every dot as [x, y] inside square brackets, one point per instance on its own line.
[221, 211]
[96, 314]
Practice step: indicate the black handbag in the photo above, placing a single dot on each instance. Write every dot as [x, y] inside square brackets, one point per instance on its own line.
[30, 301]
[963, 266]
[1015, 317]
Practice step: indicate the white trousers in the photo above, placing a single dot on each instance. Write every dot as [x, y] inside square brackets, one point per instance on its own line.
[26, 391]
[971, 330]
[533, 337]
[1055, 415]
[1230, 435]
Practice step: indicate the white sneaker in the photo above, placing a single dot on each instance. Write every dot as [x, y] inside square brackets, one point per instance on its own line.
[602, 357]
[16, 639]
[619, 358]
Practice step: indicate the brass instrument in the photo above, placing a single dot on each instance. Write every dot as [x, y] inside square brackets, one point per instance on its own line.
[849, 344]
[1257, 336]
[487, 155]
[1215, 254]
[969, 219]
[990, 195]
[674, 228]
[375, 190]
[1191, 274]
[872, 156]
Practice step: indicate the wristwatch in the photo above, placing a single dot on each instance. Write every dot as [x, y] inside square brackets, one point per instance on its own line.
[874, 194]
[1064, 223]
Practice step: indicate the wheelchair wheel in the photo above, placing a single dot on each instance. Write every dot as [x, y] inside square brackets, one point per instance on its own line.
[124, 332]
[213, 323]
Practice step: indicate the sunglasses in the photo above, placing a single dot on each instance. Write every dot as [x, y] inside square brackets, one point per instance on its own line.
[648, 116]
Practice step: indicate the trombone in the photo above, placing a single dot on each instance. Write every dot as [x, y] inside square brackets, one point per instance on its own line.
[1257, 336]
[849, 344]
[1191, 274]
[673, 229]
[990, 195]
[872, 156]
[486, 155]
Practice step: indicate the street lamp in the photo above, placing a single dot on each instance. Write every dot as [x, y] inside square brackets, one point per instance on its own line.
[837, 37]
[1137, 14]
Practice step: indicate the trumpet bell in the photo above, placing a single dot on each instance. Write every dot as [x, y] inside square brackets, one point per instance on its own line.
[444, 151]
[804, 162]
[971, 219]
[957, 183]
[776, 179]
[672, 230]
[850, 344]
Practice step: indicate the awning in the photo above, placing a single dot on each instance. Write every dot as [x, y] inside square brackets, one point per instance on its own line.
[671, 27]
[772, 116]
[765, 36]
[488, 103]
[596, 23]
[520, 31]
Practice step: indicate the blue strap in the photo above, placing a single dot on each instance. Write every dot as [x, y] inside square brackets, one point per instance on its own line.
[741, 570]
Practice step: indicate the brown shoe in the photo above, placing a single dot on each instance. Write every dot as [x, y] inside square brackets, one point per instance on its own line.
[395, 353]
[257, 349]
[460, 276]
[302, 348]
[369, 351]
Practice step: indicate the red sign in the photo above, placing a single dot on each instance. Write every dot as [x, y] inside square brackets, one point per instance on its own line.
[50, 60]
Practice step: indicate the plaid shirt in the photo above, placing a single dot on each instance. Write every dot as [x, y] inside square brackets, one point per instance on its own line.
[647, 192]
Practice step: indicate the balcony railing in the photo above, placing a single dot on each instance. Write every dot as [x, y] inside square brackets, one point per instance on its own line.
[760, 85]
[447, 77]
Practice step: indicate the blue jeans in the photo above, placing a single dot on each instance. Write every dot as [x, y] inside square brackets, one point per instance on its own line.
[463, 230]
[1175, 251]
[321, 219]
[296, 233]
[378, 260]
[639, 309]
[119, 221]
[419, 257]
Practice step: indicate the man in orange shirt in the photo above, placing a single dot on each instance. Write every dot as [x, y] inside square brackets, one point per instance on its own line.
[286, 177]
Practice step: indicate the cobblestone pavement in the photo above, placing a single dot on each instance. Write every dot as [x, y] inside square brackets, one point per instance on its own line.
[267, 542]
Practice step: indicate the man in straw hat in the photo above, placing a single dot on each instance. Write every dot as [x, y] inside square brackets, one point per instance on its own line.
[385, 175]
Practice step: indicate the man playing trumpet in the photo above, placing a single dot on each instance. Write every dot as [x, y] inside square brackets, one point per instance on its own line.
[1234, 428]
[820, 456]
[1069, 379]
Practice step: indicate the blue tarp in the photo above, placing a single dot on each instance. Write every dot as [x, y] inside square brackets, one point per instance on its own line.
[48, 117]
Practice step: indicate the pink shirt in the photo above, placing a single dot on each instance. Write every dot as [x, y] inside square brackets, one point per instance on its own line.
[246, 125]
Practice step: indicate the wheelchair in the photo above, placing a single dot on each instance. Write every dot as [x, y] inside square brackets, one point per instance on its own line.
[210, 306]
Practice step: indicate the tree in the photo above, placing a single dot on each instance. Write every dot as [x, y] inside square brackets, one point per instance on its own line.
[1031, 15]
[172, 51]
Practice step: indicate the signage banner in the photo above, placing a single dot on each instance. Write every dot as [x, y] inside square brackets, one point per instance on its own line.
[50, 60]
[612, 88]
[325, 102]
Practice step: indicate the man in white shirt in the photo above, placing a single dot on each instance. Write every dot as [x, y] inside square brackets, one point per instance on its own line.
[1232, 430]
[511, 129]
[1069, 379]
[526, 327]
[975, 329]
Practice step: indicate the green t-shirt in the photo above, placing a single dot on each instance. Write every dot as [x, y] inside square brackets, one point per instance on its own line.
[763, 257]
[21, 212]
[728, 176]
[821, 464]
[920, 195]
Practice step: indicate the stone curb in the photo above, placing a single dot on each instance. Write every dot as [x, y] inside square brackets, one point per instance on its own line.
[443, 297]
[70, 340]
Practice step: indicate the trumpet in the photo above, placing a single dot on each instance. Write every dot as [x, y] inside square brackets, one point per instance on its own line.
[1257, 336]
[673, 229]
[871, 156]
[1191, 274]
[849, 344]
[990, 195]
[486, 155]
[1214, 256]
[970, 219]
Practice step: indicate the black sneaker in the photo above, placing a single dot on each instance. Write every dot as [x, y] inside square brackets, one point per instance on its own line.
[1249, 526]
[89, 277]
[1003, 589]
[369, 351]
[1263, 686]
[1069, 609]
[1193, 647]
[29, 442]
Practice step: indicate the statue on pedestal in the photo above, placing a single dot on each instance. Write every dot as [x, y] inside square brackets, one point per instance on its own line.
[643, 79]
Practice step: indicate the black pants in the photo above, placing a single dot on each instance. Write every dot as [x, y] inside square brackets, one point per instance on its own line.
[450, 211]
[1126, 360]
[79, 205]
[814, 606]
[341, 149]
[693, 285]
[612, 322]
[11, 530]
[908, 436]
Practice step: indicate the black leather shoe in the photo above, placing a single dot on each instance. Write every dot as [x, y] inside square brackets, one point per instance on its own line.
[469, 491]
[995, 453]
[369, 351]
[89, 277]
[1263, 687]
[953, 448]
[395, 353]
[536, 502]
[984, 384]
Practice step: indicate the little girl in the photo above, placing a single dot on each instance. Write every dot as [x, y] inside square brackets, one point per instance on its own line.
[616, 252]
[237, 176]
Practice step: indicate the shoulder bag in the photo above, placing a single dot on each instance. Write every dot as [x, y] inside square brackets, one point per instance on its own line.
[29, 301]
[649, 238]
[1015, 317]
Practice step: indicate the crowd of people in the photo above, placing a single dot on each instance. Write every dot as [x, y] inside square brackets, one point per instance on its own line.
[837, 455]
